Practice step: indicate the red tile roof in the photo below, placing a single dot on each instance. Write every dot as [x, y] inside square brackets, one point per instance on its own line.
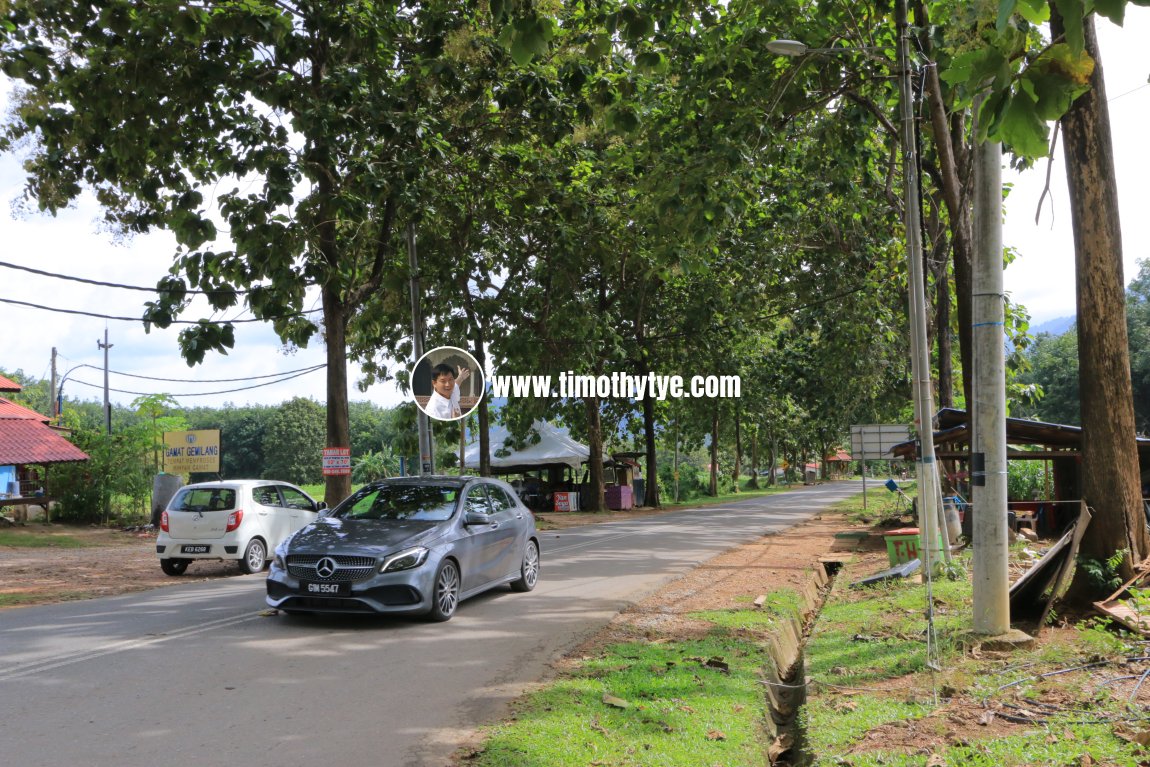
[9, 409]
[23, 441]
[7, 384]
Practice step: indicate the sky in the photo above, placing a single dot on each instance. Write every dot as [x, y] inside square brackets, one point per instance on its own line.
[73, 243]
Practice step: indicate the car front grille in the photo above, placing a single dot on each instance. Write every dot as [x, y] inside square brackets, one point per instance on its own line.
[348, 568]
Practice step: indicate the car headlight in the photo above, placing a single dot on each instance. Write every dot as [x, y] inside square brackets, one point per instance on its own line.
[278, 561]
[404, 560]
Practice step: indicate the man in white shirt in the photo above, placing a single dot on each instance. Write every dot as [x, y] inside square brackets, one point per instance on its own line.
[444, 401]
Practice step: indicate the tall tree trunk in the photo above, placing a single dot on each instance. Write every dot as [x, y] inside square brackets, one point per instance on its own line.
[772, 459]
[651, 489]
[738, 449]
[754, 483]
[336, 486]
[595, 500]
[714, 485]
[1110, 475]
[945, 346]
[484, 420]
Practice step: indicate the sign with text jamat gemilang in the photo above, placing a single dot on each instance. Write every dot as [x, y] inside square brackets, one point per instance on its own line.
[188, 451]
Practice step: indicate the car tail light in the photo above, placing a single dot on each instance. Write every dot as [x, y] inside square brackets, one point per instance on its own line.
[234, 520]
[164, 522]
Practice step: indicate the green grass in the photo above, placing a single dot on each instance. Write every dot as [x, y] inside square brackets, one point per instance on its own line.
[867, 656]
[881, 504]
[866, 659]
[31, 539]
[17, 600]
[678, 705]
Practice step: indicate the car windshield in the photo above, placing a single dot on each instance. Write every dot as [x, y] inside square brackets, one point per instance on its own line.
[204, 499]
[432, 503]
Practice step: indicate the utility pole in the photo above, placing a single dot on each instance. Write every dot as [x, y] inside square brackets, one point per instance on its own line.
[426, 456]
[53, 406]
[988, 457]
[107, 403]
[929, 488]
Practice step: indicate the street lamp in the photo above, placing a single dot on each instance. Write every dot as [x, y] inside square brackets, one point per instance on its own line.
[929, 487]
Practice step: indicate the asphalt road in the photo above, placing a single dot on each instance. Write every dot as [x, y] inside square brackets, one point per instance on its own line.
[196, 675]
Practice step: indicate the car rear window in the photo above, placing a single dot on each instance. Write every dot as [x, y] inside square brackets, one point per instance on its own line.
[433, 503]
[204, 499]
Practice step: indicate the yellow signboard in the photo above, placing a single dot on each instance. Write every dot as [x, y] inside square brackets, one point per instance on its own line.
[188, 451]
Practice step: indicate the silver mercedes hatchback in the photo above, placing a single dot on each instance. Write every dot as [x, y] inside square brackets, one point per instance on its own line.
[411, 545]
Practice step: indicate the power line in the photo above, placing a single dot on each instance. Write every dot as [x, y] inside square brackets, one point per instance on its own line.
[301, 371]
[201, 394]
[141, 319]
[100, 283]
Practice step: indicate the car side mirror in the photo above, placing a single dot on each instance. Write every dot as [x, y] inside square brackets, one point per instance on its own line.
[475, 518]
[321, 506]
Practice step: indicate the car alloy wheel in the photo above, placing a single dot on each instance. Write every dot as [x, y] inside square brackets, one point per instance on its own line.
[529, 572]
[255, 557]
[445, 597]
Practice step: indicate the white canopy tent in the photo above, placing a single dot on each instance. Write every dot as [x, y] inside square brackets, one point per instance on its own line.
[555, 447]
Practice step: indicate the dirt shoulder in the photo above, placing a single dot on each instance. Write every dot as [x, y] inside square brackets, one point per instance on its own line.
[105, 563]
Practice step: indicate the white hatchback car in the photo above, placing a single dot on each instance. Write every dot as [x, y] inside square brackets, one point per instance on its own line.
[243, 519]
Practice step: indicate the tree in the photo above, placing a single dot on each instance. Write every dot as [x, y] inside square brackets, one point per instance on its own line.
[1115, 492]
[1025, 83]
[293, 444]
[1054, 370]
[1138, 325]
[298, 127]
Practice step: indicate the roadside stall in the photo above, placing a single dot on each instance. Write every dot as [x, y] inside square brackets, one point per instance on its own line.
[542, 468]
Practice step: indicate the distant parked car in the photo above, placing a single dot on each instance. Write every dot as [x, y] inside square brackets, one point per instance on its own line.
[242, 519]
[413, 545]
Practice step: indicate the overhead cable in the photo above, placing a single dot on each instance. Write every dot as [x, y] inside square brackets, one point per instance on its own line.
[141, 319]
[199, 394]
[311, 369]
[120, 286]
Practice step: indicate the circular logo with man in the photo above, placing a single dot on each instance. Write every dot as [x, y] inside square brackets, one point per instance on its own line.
[447, 383]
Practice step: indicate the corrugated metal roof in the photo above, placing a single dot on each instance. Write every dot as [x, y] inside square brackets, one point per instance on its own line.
[7, 384]
[24, 441]
[9, 409]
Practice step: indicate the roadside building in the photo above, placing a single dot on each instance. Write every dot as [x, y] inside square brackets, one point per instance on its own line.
[29, 446]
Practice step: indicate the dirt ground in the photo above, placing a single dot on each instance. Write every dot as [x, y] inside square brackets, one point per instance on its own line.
[114, 562]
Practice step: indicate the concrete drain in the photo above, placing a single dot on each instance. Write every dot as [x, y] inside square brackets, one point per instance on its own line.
[784, 680]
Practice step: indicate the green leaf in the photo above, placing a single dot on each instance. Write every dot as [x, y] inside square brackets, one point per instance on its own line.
[1021, 128]
[1034, 11]
[1057, 79]
[1005, 11]
[599, 46]
[651, 61]
[1115, 10]
[1072, 13]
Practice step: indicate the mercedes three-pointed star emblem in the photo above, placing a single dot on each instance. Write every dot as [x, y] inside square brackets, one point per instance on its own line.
[326, 567]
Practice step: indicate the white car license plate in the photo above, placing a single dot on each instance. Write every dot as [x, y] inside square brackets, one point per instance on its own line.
[327, 588]
[188, 548]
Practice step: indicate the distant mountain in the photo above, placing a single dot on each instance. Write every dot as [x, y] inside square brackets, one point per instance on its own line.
[1054, 327]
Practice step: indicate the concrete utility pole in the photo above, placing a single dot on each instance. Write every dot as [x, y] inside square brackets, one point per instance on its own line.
[988, 462]
[53, 409]
[929, 487]
[426, 456]
[107, 403]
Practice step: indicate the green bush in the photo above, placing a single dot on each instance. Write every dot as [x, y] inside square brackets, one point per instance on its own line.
[1026, 480]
